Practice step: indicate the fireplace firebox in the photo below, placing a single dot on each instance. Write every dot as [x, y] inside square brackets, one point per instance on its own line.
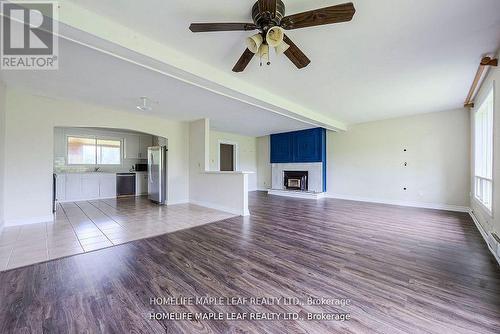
[295, 180]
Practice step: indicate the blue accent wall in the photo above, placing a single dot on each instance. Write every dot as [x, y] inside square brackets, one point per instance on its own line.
[300, 146]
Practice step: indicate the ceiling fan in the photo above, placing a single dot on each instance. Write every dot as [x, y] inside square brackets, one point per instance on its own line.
[269, 18]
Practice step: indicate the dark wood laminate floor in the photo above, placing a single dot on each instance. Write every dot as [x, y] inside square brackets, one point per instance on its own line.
[406, 271]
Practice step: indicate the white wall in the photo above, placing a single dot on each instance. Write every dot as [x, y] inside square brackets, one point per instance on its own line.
[2, 151]
[199, 147]
[264, 168]
[246, 155]
[366, 162]
[489, 223]
[227, 191]
[29, 142]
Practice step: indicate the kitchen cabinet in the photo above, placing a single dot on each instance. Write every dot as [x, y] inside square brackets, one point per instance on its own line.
[73, 187]
[107, 185]
[136, 146]
[61, 187]
[145, 141]
[141, 183]
[159, 141]
[132, 147]
[87, 186]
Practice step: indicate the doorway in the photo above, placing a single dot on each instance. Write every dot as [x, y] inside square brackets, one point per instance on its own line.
[227, 157]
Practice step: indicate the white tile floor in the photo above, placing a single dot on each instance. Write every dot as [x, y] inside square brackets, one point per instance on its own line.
[81, 227]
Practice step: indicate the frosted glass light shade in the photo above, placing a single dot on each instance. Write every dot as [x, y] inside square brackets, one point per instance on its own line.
[264, 52]
[274, 36]
[254, 42]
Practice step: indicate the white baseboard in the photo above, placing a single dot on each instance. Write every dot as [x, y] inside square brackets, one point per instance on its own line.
[28, 221]
[484, 234]
[84, 200]
[114, 197]
[221, 208]
[177, 202]
[436, 206]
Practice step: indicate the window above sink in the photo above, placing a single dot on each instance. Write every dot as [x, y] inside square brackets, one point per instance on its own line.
[94, 151]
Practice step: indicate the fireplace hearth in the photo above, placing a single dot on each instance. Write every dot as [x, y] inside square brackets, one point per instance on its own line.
[295, 180]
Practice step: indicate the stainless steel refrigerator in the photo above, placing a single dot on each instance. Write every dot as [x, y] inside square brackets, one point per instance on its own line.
[157, 174]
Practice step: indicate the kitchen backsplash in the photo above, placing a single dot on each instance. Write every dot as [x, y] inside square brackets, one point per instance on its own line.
[61, 167]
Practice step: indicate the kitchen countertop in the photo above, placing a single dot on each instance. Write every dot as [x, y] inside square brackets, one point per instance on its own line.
[63, 173]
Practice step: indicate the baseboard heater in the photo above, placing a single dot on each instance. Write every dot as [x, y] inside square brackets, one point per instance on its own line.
[492, 240]
[494, 244]
[496, 240]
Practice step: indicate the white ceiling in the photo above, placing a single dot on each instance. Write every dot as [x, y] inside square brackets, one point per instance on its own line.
[396, 58]
[97, 78]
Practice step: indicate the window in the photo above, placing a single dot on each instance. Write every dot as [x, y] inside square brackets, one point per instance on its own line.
[109, 152]
[94, 151]
[483, 152]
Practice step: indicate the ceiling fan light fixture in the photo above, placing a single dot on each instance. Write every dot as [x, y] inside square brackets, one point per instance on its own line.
[264, 53]
[274, 36]
[254, 43]
[270, 20]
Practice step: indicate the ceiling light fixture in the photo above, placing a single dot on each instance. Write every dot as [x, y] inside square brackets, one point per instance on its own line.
[144, 106]
[275, 38]
[254, 42]
[270, 20]
[264, 54]
[261, 42]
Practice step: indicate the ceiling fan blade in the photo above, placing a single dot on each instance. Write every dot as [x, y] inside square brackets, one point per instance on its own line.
[207, 27]
[243, 61]
[295, 55]
[328, 15]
